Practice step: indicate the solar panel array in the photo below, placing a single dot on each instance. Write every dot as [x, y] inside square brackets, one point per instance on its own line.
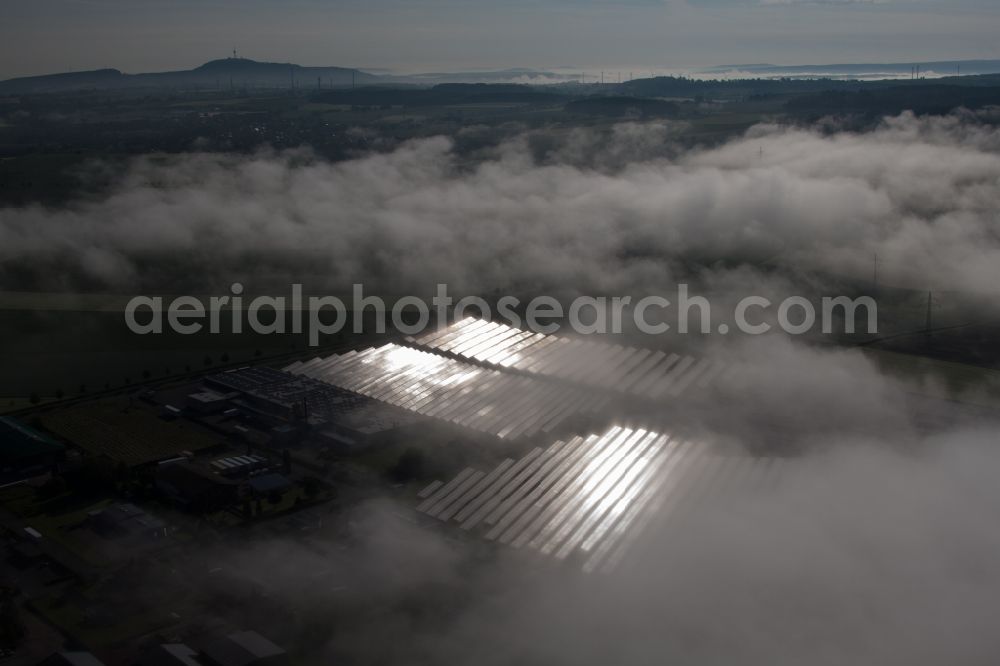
[584, 498]
[587, 497]
[629, 370]
[504, 404]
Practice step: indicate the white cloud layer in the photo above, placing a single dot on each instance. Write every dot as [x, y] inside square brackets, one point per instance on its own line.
[614, 212]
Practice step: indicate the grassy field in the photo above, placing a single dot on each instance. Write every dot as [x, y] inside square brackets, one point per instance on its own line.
[79, 618]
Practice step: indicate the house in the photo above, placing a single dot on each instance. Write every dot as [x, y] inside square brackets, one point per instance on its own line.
[127, 520]
[170, 654]
[244, 648]
[194, 488]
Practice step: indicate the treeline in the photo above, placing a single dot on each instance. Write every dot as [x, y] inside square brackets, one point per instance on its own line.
[623, 107]
[670, 86]
[921, 99]
[447, 94]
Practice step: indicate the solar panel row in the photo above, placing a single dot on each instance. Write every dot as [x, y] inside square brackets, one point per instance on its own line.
[588, 497]
[630, 370]
[504, 404]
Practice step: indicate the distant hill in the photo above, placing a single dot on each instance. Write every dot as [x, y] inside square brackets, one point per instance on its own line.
[97, 78]
[754, 79]
[241, 73]
[514, 75]
[224, 74]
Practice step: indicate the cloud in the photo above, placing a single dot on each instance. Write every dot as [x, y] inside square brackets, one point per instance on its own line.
[589, 211]
[871, 553]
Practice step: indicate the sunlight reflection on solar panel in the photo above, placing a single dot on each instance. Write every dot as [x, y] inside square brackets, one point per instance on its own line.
[589, 362]
[590, 499]
[503, 404]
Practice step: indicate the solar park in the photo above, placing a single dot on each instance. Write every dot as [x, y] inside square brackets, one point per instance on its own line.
[582, 494]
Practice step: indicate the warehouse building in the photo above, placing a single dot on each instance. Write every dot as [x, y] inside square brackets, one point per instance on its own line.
[293, 407]
[25, 452]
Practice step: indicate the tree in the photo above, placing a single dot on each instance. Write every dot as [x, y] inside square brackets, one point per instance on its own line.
[53, 487]
[12, 629]
[409, 466]
[312, 486]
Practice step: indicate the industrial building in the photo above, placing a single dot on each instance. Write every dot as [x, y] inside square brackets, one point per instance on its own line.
[126, 520]
[191, 487]
[290, 408]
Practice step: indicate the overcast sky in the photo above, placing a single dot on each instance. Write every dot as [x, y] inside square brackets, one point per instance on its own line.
[41, 36]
